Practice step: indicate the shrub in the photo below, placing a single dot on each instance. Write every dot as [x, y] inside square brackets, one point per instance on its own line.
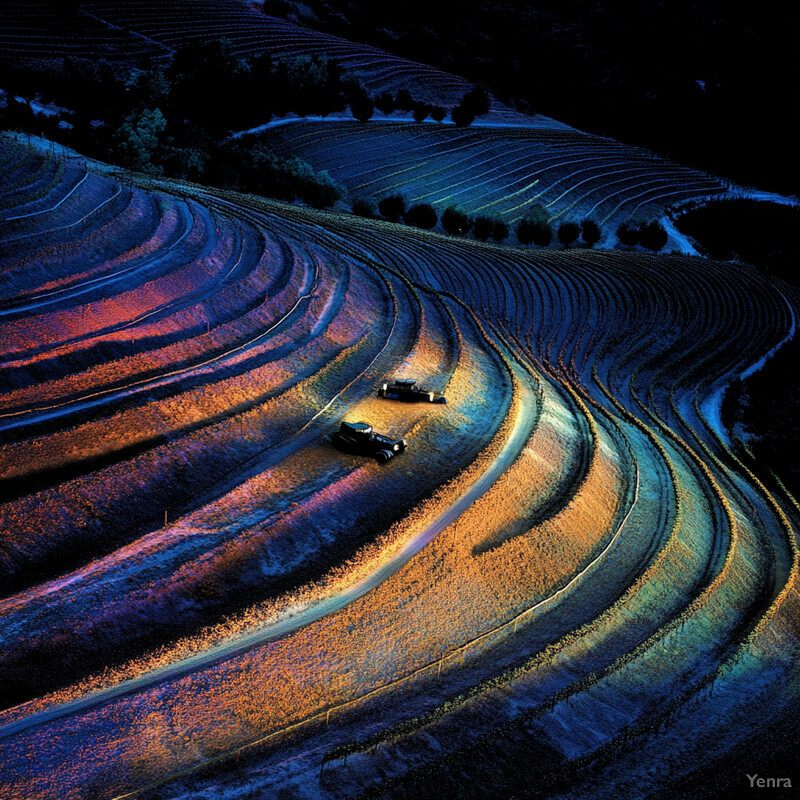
[568, 233]
[499, 231]
[627, 235]
[455, 221]
[392, 206]
[653, 236]
[421, 215]
[483, 228]
[590, 231]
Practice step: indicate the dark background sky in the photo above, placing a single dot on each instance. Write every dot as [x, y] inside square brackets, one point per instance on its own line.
[709, 83]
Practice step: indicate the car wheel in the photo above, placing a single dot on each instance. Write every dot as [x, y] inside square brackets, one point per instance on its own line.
[382, 456]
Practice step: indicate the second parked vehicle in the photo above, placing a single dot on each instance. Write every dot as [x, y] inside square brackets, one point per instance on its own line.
[407, 389]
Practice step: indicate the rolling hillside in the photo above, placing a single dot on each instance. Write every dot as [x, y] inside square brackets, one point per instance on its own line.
[500, 172]
[567, 585]
[121, 31]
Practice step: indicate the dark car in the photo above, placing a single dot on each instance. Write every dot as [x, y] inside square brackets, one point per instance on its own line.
[359, 438]
[406, 389]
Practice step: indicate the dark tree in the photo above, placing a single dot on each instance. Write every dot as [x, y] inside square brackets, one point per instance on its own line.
[421, 110]
[362, 107]
[138, 138]
[364, 208]
[499, 231]
[308, 85]
[207, 80]
[537, 213]
[568, 233]
[653, 236]
[542, 234]
[483, 228]
[88, 81]
[627, 235]
[532, 230]
[477, 100]
[455, 221]
[277, 8]
[385, 103]
[319, 190]
[405, 102]
[758, 232]
[590, 231]
[421, 215]
[438, 113]
[150, 87]
[392, 207]
[188, 163]
[260, 170]
[17, 115]
[462, 116]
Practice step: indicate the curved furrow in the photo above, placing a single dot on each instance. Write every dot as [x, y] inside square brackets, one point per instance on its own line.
[567, 573]
[505, 171]
[231, 343]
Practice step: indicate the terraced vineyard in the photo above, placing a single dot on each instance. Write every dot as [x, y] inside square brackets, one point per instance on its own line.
[495, 171]
[37, 30]
[156, 29]
[567, 582]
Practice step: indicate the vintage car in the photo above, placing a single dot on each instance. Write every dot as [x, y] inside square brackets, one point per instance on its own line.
[359, 438]
[406, 389]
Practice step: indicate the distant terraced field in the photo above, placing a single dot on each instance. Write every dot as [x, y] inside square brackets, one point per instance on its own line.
[567, 582]
[119, 30]
[495, 171]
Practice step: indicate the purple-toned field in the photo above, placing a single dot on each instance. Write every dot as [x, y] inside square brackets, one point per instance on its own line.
[568, 581]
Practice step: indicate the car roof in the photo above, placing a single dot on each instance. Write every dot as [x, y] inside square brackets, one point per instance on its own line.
[361, 427]
[405, 381]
